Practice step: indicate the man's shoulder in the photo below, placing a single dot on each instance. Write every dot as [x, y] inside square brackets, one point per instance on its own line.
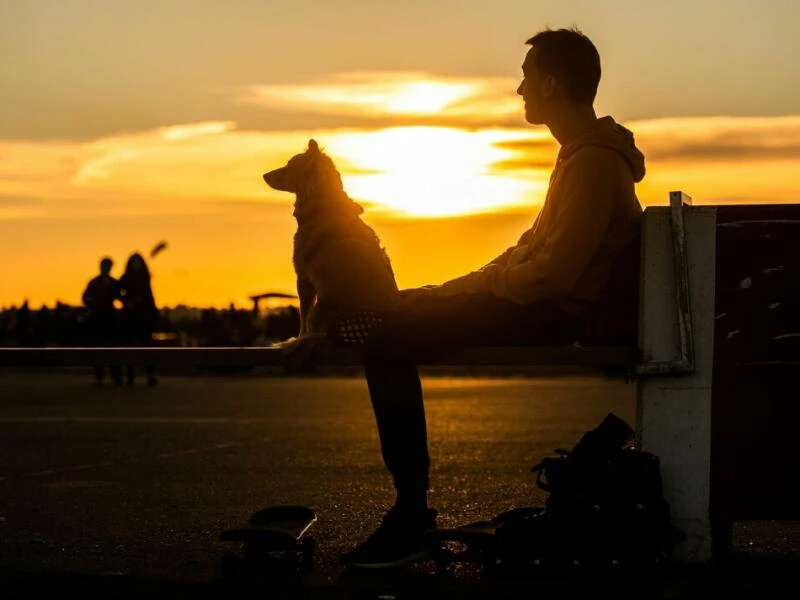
[596, 164]
[593, 154]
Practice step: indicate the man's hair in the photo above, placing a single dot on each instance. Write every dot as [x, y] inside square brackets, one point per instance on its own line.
[571, 58]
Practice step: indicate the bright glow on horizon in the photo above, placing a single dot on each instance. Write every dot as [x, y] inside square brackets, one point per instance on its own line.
[424, 97]
[432, 171]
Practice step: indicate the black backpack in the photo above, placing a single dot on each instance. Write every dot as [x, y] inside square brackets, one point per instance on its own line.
[605, 507]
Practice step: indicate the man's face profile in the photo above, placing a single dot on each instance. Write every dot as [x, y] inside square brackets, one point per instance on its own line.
[531, 90]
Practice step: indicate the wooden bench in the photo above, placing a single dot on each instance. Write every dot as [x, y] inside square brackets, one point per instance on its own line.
[256, 356]
[626, 357]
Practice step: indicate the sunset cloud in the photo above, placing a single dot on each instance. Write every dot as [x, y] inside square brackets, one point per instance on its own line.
[397, 95]
[196, 168]
[20, 208]
[729, 139]
[714, 159]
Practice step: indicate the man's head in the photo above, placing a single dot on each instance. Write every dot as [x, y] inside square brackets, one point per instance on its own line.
[105, 266]
[562, 68]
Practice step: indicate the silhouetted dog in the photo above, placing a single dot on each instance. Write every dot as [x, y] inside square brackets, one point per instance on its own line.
[340, 264]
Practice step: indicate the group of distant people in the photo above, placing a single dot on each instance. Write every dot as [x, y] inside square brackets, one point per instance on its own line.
[130, 325]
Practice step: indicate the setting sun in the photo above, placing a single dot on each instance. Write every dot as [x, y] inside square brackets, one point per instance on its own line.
[432, 171]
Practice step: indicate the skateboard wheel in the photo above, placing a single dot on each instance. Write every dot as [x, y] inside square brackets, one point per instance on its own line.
[291, 563]
[230, 565]
[443, 561]
[309, 549]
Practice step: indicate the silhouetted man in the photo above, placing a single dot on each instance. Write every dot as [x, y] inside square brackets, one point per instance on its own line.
[538, 292]
[102, 323]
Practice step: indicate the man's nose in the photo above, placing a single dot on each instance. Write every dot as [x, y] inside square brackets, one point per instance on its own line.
[521, 88]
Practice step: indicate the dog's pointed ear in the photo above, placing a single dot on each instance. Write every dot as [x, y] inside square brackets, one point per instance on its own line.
[313, 146]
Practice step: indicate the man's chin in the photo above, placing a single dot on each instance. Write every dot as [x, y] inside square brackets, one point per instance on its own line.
[533, 118]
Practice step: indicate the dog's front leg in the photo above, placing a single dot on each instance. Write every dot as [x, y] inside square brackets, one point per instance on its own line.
[307, 295]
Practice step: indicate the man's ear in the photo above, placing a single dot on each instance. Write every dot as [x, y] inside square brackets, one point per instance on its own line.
[549, 86]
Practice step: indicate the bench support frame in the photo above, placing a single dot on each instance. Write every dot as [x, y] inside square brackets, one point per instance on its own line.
[674, 413]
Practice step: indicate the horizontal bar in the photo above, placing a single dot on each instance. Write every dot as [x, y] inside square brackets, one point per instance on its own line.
[270, 356]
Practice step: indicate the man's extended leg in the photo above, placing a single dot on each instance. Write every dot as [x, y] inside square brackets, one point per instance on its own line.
[427, 330]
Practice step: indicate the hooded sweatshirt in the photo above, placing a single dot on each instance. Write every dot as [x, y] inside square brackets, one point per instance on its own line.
[590, 214]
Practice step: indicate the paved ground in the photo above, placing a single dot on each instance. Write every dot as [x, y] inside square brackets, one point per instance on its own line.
[123, 492]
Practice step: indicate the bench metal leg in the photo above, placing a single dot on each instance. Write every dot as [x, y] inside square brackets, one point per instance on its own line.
[674, 412]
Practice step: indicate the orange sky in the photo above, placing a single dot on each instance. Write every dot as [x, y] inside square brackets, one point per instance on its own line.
[125, 127]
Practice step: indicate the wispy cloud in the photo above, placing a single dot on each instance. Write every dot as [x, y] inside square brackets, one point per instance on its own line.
[728, 139]
[716, 159]
[174, 167]
[111, 154]
[12, 207]
[397, 96]
[199, 168]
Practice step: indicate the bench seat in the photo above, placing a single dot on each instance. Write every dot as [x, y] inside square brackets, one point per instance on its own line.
[589, 356]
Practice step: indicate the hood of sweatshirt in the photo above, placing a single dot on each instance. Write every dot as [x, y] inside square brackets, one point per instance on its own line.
[609, 134]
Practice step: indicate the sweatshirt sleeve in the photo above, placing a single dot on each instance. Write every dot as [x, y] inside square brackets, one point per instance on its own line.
[502, 259]
[588, 189]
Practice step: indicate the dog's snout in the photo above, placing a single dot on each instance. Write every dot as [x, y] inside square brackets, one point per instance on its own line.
[276, 179]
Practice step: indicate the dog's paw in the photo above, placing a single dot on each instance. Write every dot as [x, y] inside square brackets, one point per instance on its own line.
[285, 345]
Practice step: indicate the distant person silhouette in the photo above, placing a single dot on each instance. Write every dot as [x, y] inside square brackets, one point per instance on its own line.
[540, 291]
[102, 322]
[139, 313]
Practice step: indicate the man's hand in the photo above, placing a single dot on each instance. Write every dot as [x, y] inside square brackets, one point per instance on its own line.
[413, 294]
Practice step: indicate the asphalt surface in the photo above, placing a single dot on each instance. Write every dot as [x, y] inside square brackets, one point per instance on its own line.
[123, 492]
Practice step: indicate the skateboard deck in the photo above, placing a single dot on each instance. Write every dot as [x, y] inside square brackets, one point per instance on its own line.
[475, 543]
[272, 536]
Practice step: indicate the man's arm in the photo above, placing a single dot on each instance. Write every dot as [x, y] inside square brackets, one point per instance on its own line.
[502, 259]
[446, 287]
[586, 204]
[583, 212]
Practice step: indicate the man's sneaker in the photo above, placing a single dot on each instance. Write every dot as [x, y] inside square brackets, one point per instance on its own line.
[398, 540]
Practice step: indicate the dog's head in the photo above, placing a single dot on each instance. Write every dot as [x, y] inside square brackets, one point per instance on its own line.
[303, 170]
[313, 177]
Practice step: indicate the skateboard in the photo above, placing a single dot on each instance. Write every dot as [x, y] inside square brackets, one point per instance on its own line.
[277, 536]
[475, 542]
[470, 543]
